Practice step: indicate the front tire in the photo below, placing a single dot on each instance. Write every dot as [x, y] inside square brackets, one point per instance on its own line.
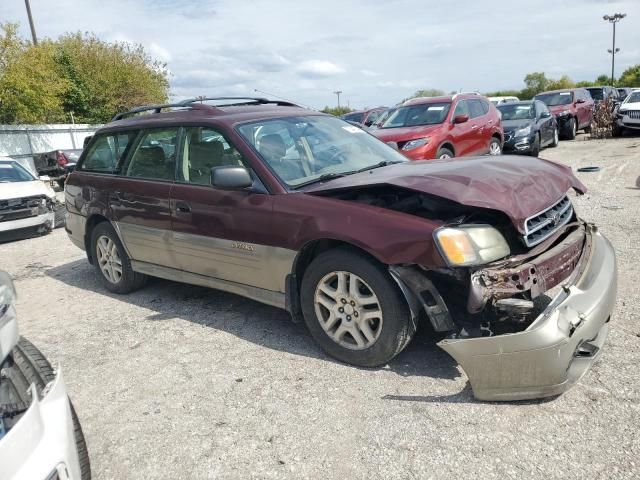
[571, 129]
[494, 147]
[444, 153]
[556, 138]
[33, 368]
[353, 309]
[535, 148]
[111, 261]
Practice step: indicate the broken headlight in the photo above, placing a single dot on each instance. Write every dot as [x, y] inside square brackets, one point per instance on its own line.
[469, 245]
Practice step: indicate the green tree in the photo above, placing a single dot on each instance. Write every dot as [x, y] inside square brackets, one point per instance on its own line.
[535, 83]
[77, 73]
[337, 111]
[31, 83]
[630, 77]
[562, 83]
[603, 80]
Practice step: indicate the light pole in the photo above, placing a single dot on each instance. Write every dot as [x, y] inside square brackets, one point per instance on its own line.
[613, 19]
[33, 28]
[338, 92]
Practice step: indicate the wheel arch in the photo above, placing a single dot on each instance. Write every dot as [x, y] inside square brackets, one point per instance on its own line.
[303, 259]
[92, 222]
[448, 145]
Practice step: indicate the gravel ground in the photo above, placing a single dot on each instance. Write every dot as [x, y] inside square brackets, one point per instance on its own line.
[182, 382]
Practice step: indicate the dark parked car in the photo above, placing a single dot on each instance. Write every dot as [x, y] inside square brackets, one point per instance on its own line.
[604, 93]
[528, 127]
[305, 212]
[364, 117]
[573, 109]
[443, 127]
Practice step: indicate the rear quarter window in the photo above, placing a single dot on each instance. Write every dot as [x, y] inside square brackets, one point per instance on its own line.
[106, 152]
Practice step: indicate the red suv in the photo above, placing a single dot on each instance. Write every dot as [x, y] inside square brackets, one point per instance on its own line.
[444, 127]
[573, 109]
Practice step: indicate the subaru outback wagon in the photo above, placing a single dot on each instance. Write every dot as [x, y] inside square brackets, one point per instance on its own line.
[303, 211]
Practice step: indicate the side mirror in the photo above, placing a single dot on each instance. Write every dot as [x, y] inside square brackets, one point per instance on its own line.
[231, 177]
[580, 100]
[461, 119]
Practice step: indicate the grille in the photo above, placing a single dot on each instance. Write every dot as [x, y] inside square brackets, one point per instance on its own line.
[541, 226]
[634, 114]
[17, 208]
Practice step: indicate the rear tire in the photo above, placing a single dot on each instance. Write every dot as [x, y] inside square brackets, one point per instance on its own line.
[353, 309]
[34, 368]
[111, 261]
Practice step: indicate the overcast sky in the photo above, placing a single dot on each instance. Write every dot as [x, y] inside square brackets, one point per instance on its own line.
[376, 51]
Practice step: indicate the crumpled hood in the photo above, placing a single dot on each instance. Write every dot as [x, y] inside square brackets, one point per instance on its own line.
[10, 190]
[404, 134]
[518, 186]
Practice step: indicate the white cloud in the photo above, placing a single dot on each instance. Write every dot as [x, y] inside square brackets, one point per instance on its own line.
[159, 52]
[319, 68]
[224, 46]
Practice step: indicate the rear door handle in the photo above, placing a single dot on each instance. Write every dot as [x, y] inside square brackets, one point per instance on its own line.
[182, 207]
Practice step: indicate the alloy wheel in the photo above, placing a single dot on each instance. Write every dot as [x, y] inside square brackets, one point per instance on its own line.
[348, 310]
[109, 259]
[494, 148]
[444, 156]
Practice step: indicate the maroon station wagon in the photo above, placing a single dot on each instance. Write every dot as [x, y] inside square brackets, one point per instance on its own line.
[306, 212]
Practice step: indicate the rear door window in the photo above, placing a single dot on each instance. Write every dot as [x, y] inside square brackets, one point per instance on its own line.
[476, 108]
[106, 152]
[155, 155]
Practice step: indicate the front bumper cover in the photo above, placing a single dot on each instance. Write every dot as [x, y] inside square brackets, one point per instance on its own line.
[558, 348]
[43, 440]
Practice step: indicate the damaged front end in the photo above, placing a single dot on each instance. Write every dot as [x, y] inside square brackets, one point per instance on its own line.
[512, 340]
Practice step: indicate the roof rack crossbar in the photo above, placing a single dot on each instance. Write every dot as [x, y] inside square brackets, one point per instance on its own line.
[237, 101]
[156, 108]
[198, 104]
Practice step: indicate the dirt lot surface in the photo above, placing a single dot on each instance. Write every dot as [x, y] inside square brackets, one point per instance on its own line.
[182, 382]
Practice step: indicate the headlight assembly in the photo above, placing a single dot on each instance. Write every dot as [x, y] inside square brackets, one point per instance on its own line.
[469, 245]
[418, 142]
[523, 132]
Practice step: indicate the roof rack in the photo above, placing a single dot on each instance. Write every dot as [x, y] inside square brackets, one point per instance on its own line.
[237, 101]
[197, 103]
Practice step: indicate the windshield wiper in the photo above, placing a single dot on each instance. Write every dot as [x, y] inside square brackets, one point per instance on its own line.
[324, 177]
[383, 163]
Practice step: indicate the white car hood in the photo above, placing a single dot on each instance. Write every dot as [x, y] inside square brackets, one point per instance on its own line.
[630, 106]
[10, 190]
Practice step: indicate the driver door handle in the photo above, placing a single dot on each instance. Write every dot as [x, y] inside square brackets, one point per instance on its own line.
[183, 207]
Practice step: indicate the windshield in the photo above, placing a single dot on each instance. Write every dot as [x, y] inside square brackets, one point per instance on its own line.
[301, 150]
[596, 93]
[552, 99]
[511, 111]
[13, 172]
[414, 115]
[634, 97]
